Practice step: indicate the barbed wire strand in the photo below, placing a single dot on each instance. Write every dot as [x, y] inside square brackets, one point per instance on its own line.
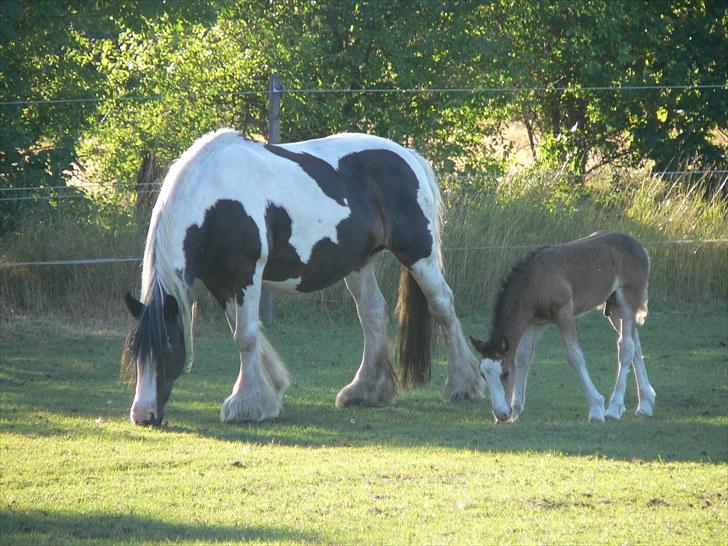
[364, 91]
[153, 185]
[98, 261]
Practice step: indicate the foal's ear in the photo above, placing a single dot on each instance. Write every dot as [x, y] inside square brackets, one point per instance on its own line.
[135, 306]
[478, 345]
[170, 308]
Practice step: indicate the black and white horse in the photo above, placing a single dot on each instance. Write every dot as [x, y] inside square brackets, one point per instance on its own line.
[241, 215]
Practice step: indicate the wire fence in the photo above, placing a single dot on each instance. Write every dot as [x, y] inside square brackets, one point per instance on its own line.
[371, 91]
[64, 192]
[126, 259]
[77, 191]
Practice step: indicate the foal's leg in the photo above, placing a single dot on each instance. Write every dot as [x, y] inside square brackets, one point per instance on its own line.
[374, 383]
[254, 396]
[523, 359]
[463, 375]
[625, 356]
[645, 391]
[576, 358]
[629, 352]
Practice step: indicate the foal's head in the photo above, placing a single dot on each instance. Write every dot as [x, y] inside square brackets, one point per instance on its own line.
[498, 374]
[154, 355]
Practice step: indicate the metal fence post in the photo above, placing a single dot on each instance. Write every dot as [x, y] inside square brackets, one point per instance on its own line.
[274, 137]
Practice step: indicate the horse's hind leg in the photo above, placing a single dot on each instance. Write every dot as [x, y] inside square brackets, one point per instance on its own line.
[645, 391]
[257, 392]
[629, 352]
[374, 383]
[625, 356]
[463, 376]
[576, 358]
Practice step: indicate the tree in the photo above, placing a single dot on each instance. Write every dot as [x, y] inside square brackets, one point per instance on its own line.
[159, 74]
[565, 49]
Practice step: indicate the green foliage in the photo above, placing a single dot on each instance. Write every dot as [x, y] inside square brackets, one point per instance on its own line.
[562, 48]
[193, 61]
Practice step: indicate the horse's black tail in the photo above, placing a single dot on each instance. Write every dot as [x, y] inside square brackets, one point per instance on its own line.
[414, 343]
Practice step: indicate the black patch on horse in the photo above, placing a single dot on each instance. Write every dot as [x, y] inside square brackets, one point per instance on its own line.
[223, 251]
[324, 174]
[380, 189]
[283, 260]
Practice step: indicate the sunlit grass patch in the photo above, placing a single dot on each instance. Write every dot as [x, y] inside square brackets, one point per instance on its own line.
[74, 470]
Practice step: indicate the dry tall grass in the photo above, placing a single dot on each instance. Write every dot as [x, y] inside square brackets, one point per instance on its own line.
[488, 225]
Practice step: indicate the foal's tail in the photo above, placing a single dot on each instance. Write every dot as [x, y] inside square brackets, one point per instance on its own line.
[414, 342]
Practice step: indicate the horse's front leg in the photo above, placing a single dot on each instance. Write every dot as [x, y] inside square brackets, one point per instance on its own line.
[256, 396]
[463, 380]
[523, 359]
[374, 383]
[576, 358]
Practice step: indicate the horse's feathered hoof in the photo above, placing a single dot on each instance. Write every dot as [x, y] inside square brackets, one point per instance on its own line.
[464, 393]
[244, 409]
[362, 393]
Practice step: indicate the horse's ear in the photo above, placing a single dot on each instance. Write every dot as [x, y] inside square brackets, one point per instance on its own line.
[170, 308]
[135, 306]
[478, 345]
[502, 347]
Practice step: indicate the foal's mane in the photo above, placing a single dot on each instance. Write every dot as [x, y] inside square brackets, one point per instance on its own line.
[510, 281]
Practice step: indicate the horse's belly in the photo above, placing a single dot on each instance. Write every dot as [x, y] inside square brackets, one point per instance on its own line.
[287, 286]
[328, 264]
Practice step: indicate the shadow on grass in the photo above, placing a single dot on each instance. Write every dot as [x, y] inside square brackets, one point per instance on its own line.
[80, 387]
[42, 527]
[309, 418]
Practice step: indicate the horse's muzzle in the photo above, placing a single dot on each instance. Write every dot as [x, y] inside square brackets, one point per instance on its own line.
[153, 420]
[502, 416]
[146, 418]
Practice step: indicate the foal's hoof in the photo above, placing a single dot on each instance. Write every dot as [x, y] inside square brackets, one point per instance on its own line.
[596, 416]
[614, 412]
[645, 408]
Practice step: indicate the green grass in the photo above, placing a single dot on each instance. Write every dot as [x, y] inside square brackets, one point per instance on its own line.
[74, 470]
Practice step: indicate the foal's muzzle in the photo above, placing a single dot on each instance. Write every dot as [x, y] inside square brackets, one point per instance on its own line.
[501, 416]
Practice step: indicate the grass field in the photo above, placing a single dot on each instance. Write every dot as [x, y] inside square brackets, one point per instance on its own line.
[74, 470]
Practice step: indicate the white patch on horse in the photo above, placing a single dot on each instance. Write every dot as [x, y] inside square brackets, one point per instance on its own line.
[491, 370]
[289, 285]
[240, 166]
[428, 195]
[145, 396]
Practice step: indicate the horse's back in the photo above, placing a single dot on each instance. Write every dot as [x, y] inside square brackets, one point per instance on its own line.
[313, 211]
[587, 271]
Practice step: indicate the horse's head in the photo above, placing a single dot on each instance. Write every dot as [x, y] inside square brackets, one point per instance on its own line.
[154, 355]
[498, 375]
